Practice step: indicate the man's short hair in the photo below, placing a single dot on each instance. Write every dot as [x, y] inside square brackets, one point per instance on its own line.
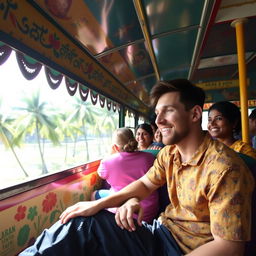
[190, 95]
[253, 114]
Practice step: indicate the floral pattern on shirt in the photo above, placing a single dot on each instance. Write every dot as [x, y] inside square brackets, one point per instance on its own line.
[210, 194]
[244, 148]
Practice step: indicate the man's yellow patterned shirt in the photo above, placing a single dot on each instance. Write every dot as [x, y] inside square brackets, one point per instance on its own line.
[210, 194]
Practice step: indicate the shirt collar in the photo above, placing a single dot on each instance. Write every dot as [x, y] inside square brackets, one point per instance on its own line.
[197, 155]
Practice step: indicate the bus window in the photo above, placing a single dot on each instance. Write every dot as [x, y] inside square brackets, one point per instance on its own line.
[129, 120]
[43, 131]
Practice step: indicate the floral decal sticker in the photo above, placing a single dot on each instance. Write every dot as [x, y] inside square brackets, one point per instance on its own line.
[32, 212]
[23, 235]
[21, 213]
[49, 202]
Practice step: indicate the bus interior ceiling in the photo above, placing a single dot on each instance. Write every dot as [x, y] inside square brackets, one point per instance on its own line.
[124, 48]
[139, 42]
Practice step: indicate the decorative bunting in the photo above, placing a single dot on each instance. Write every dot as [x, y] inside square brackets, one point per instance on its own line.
[5, 52]
[118, 107]
[109, 104]
[84, 92]
[102, 100]
[114, 106]
[71, 86]
[29, 67]
[94, 97]
[53, 77]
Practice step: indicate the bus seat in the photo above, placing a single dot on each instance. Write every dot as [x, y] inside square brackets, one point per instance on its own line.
[152, 151]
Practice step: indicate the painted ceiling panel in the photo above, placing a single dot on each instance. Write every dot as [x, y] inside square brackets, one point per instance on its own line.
[110, 31]
[174, 14]
[175, 50]
[219, 73]
[138, 59]
[118, 20]
[222, 39]
[175, 73]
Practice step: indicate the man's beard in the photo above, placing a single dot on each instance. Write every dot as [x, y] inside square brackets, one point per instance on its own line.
[175, 138]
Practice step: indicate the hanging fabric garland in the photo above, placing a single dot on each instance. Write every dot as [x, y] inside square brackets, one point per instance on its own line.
[29, 67]
[109, 104]
[118, 108]
[71, 86]
[114, 106]
[102, 100]
[5, 52]
[94, 97]
[53, 77]
[84, 92]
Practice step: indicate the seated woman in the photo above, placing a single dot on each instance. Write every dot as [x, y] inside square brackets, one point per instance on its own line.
[157, 143]
[224, 124]
[124, 166]
[145, 136]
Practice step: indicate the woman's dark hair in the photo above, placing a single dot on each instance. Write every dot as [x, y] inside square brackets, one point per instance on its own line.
[231, 112]
[146, 127]
[190, 95]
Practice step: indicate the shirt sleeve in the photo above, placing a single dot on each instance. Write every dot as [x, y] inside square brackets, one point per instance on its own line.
[249, 150]
[157, 173]
[230, 204]
[102, 171]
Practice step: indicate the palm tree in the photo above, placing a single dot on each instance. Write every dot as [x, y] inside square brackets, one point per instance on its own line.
[66, 129]
[36, 119]
[83, 115]
[107, 123]
[7, 136]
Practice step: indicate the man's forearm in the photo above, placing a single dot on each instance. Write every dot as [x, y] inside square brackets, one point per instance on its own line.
[219, 248]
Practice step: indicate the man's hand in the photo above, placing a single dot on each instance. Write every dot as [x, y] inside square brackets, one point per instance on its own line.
[124, 214]
[86, 208]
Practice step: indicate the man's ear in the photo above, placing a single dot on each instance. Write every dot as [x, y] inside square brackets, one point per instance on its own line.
[196, 113]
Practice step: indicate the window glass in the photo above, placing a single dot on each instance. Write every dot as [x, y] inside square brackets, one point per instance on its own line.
[129, 120]
[43, 130]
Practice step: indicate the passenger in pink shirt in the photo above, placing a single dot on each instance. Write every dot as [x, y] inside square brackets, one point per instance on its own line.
[124, 166]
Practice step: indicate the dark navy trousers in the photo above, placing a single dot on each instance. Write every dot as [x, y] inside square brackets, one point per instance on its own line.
[99, 235]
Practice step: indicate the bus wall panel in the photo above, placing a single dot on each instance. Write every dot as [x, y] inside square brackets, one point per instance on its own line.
[24, 216]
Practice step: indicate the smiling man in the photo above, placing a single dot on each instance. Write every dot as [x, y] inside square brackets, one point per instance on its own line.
[209, 188]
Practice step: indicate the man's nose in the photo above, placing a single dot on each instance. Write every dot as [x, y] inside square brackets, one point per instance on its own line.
[159, 119]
